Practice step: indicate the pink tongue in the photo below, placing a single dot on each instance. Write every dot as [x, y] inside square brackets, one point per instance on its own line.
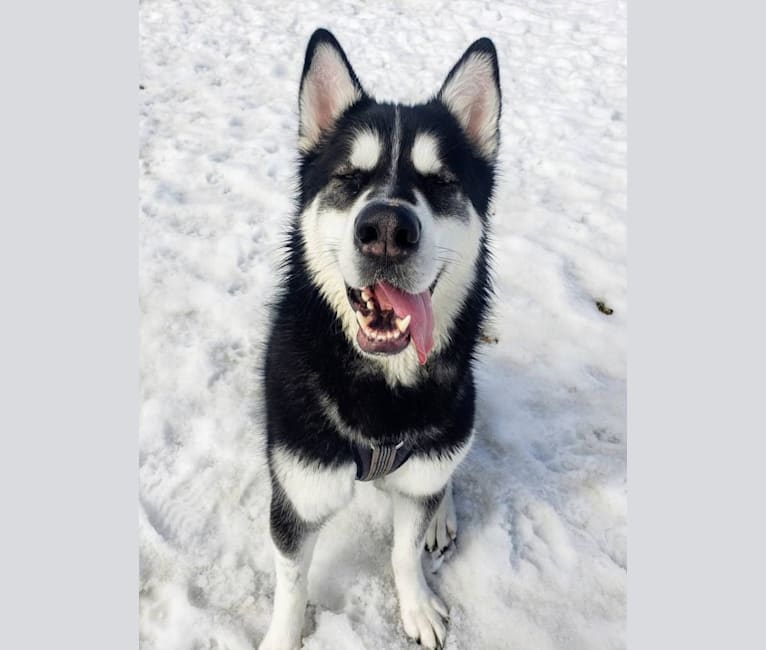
[417, 305]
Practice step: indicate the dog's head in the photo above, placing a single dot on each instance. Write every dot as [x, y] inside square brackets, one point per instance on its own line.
[394, 198]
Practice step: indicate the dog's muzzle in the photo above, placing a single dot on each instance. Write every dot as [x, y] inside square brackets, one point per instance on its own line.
[387, 236]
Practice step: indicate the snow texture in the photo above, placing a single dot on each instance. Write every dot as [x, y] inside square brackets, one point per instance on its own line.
[541, 498]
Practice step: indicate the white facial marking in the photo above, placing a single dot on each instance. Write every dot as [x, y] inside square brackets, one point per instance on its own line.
[425, 154]
[328, 240]
[365, 151]
[315, 491]
[458, 242]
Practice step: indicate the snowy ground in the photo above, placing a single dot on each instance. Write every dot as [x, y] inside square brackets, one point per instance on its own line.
[542, 495]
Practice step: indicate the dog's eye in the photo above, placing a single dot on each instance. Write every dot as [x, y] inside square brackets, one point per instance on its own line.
[442, 179]
[352, 179]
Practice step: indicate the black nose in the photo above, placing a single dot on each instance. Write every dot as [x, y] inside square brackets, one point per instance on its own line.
[382, 229]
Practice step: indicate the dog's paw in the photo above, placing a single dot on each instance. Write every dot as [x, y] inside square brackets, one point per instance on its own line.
[441, 536]
[425, 620]
[436, 558]
[274, 641]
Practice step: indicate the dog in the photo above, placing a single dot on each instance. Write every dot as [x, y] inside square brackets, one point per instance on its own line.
[385, 287]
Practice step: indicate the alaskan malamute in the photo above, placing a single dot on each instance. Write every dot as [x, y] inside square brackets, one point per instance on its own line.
[386, 285]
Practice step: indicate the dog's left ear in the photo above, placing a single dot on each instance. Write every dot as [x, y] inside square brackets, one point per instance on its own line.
[472, 94]
[328, 87]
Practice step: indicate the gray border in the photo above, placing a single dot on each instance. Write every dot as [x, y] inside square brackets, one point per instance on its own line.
[696, 273]
[68, 275]
[69, 344]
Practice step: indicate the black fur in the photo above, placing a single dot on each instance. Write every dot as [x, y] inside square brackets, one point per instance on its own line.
[308, 354]
[288, 530]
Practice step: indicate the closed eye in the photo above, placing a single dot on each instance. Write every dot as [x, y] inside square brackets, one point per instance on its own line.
[350, 175]
[353, 179]
[442, 178]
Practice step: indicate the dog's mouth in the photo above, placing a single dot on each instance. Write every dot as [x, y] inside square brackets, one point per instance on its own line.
[389, 319]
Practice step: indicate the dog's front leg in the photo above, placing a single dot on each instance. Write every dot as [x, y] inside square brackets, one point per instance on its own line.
[293, 541]
[423, 613]
[303, 497]
[289, 597]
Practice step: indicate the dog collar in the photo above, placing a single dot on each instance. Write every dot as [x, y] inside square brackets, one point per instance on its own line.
[376, 461]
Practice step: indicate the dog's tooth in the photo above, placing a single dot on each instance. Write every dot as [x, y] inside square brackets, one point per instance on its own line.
[366, 295]
[396, 334]
[403, 323]
[363, 320]
[370, 305]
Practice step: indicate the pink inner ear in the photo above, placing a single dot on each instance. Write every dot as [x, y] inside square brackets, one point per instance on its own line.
[475, 121]
[478, 110]
[471, 96]
[324, 110]
[327, 82]
[328, 91]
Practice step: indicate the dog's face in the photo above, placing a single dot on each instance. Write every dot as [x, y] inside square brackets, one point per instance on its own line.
[394, 198]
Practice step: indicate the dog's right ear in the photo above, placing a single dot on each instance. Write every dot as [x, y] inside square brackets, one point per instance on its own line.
[329, 86]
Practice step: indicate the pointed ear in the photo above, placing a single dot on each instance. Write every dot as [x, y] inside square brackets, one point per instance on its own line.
[328, 87]
[471, 92]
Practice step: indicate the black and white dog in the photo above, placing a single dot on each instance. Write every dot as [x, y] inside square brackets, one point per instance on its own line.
[386, 286]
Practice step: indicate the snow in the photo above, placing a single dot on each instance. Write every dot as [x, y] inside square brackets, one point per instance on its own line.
[541, 498]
